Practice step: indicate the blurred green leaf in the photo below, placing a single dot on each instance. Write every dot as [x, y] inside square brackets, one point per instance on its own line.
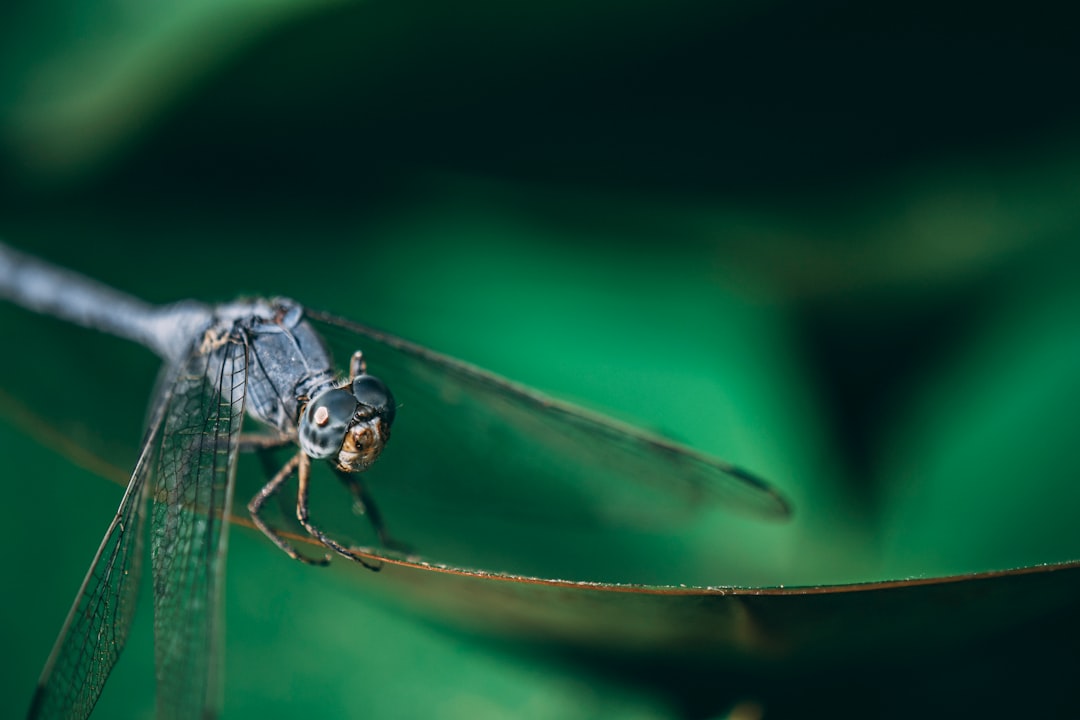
[82, 80]
[983, 477]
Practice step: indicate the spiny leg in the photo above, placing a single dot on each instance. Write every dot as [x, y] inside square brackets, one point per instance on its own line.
[256, 442]
[302, 516]
[357, 366]
[269, 489]
[264, 445]
[365, 504]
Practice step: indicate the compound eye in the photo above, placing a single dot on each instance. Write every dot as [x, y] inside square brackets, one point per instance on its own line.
[325, 421]
[372, 392]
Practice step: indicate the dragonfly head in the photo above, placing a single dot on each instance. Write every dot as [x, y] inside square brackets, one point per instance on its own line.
[351, 423]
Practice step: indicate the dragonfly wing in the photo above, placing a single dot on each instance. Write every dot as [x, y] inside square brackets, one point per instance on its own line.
[97, 625]
[473, 410]
[192, 498]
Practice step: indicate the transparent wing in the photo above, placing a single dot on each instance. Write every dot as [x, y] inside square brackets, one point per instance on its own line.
[192, 498]
[97, 625]
[503, 433]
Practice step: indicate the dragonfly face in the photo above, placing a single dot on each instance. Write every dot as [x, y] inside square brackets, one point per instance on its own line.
[353, 426]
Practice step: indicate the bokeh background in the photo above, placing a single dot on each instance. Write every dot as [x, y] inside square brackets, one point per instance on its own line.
[834, 244]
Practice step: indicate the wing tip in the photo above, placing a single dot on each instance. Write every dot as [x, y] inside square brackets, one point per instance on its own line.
[771, 503]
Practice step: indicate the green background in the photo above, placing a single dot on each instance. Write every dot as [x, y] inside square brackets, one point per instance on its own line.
[833, 245]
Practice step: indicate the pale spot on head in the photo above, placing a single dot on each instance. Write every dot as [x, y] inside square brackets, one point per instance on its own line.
[322, 416]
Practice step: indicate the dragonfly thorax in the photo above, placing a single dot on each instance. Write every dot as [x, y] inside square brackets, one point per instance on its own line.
[351, 423]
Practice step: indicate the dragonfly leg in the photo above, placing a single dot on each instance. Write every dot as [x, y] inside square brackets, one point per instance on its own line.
[255, 442]
[365, 505]
[302, 516]
[264, 445]
[255, 507]
[357, 365]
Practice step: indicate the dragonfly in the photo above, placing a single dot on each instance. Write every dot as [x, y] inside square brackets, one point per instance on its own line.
[267, 361]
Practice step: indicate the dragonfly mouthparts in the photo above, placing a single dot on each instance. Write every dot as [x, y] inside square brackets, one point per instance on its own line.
[362, 444]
